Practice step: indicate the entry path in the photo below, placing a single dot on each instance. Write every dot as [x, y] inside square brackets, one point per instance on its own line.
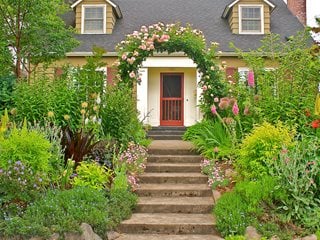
[175, 202]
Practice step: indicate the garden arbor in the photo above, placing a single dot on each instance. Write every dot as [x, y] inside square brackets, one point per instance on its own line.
[167, 39]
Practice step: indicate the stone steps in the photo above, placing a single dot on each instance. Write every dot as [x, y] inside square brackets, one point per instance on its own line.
[169, 223]
[174, 205]
[173, 167]
[166, 133]
[165, 137]
[167, 237]
[175, 202]
[158, 158]
[173, 177]
[174, 190]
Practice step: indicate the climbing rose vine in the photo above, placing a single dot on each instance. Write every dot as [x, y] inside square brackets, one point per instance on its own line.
[171, 38]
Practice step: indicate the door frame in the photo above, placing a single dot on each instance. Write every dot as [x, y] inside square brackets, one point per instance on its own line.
[175, 123]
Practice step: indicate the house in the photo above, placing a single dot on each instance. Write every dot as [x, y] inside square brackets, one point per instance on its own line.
[168, 94]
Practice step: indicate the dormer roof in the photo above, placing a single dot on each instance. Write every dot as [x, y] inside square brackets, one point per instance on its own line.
[115, 7]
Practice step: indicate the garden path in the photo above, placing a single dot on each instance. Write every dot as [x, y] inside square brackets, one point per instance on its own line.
[175, 202]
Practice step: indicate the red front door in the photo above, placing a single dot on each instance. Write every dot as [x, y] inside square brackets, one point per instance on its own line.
[171, 99]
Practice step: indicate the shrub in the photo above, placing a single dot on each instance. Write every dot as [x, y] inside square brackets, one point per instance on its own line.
[60, 212]
[297, 171]
[121, 204]
[206, 136]
[120, 117]
[91, 174]
[232, 214]
[6, 88]
[30, 147]
[260, 148]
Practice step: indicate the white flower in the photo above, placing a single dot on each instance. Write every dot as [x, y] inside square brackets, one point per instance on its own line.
[98, 100]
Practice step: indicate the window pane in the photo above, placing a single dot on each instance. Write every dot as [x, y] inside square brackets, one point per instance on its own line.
[93, 13]
[171, 86]
[251, 12]
[251, 25]
[93, 25]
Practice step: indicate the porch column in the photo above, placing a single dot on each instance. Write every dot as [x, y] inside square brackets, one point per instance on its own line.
[142, 95]
[199, 92]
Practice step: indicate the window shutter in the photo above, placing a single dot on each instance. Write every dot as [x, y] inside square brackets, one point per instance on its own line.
[111, 73]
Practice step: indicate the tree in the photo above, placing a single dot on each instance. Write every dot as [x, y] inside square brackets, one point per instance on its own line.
[35, 32]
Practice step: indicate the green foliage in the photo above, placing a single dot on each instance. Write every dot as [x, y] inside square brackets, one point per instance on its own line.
[28, 146]
[60, 212]
[297, 171]
[121, 204]
[288, 90]
[120, 181]
[7, 84]
[236, 237]
[120, 117]
[23, 21]
[208, 135]
[93, 175]
[232, 215]
[259, 148]
[19, 186]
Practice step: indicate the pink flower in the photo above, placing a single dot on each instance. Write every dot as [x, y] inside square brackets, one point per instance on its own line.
[143, 47]
[204, 88]
[251, 79]
[216, 99]
[164, 38]
[131, 60]
[235, 109]
[132, 75]
[124, 56]
[224, 103]
[214, 109]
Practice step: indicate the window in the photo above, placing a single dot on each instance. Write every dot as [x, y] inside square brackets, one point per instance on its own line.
[93, 19]
[243, 74]
[251, 19]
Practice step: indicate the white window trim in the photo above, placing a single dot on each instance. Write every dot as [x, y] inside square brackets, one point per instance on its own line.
[104, 17]
[243, 78]
[240, 18]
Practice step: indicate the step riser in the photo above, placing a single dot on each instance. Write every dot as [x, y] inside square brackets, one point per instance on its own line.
[173, 169]
[172, 152]
[158, 208]
[187, 180]
[167, 229]
[163, 128]
[165, 137]
[173, 193]
[174, 159]
[165, 132]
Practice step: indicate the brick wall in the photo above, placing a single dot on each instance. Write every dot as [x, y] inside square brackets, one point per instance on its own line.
[298, 8]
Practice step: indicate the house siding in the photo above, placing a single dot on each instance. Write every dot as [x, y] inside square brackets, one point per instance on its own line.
[110, 16]
[234, 16]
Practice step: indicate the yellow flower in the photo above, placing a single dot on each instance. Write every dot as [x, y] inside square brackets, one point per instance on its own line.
[50, 114]
[95, 108]
[83, 111]
[66, 117]
[84, 105]
[93, 96]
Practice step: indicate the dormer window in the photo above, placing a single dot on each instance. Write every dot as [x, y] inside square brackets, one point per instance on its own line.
[251, 19]
[93, 19]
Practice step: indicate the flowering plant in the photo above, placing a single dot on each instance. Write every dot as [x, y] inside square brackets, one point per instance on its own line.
[134, 158]
[216, 176]
[171, 38]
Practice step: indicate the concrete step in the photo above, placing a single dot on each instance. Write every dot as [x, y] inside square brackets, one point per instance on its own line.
[165, 137]
[166, 132]
[167, 151]
[173, 167]
[169, 223]
[156, 158]
[175, 205]
[168, 128]
[167, 237]
[174, 190]
[175, 177]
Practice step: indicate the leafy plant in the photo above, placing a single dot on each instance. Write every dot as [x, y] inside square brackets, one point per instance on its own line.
[28, 146]
[7, 84]
[120, 116]
[61, 212]
[209, 135]
[259, 148]
[120, 181]
[297, 171]
[77, 145]
[93, 175]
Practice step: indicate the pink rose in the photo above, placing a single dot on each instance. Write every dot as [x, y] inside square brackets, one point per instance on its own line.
[132, 75]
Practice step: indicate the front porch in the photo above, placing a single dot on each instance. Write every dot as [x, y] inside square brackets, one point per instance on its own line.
[168, 93]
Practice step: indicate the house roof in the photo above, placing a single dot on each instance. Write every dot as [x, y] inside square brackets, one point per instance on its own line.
[201, 14]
